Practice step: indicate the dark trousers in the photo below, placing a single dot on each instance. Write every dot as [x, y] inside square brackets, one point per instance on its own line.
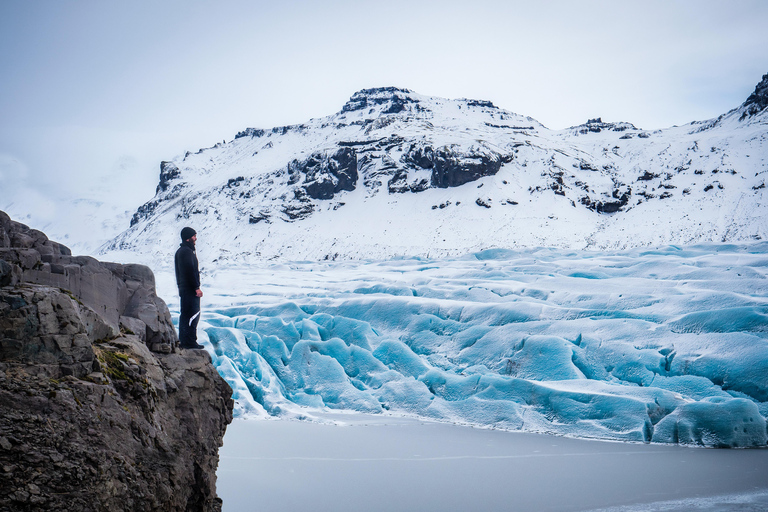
[190, 315]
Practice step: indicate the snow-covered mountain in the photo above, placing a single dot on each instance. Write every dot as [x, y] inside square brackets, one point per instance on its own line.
[396, 173]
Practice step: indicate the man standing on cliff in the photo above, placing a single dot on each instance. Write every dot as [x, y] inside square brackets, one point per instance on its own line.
[188, 280]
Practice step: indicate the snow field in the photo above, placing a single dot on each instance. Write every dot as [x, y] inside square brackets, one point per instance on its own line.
[663, 345]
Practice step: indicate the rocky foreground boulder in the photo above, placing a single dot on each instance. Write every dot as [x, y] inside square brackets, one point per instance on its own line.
[99, 409]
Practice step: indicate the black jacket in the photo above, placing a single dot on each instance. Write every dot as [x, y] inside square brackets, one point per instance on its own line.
[187, 273]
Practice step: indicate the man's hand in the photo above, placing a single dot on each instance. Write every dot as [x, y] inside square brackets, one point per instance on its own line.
[199, 292]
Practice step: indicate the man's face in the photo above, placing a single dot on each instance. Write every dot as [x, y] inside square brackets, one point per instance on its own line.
[194, 239]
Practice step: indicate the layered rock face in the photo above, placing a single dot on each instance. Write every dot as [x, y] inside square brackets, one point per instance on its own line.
[758, 100]
[123, 296]
[98, 409]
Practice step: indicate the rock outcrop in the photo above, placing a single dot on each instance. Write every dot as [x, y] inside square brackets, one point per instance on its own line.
[98, 408]
[758, 100]
[325, 174]
[123, 296]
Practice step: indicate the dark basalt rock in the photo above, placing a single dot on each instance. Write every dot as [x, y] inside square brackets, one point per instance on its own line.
[451, 169]
[298, 211]
[358, 143]
[235, 182]
[250, 132]
[647, 176]
[367, 98]
[148, 209]
[557, 183]
[326, 175]
[112, 290]
[398, 184]
[480, 103]
[586, 166]
[168, 172]
[758, 100]
[90, 418]
[420, 156]
[92, 426]
[144, 211]
[597, 125]
[622, 198]
[397, 105]
[255, 219]
[9, 274]
[419, 186]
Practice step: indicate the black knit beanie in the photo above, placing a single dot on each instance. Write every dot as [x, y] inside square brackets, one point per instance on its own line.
[187, 233]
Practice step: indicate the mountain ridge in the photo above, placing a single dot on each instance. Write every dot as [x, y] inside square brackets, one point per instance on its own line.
[396, 173]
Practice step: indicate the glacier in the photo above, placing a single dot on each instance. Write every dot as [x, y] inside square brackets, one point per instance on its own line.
[665, 345]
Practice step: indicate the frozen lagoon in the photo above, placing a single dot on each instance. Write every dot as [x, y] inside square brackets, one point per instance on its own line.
[385, 463]
[667, 345]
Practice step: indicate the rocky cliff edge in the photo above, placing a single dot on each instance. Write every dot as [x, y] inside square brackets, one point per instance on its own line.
[99, 410]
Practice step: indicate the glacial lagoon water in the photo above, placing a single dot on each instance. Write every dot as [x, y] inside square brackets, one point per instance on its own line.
[403, 464]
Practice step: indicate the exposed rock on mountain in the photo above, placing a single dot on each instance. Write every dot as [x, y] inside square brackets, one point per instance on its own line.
[323, 175]
[453, 169]
[91, 419]
[393, 100]
[597, 125]
[368, 181]
[168, 172]
[758, 100]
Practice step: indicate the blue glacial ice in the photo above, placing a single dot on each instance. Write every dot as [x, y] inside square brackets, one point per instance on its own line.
[667, 345]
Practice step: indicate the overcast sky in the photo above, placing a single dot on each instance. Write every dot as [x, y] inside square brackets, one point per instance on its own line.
[92, 92]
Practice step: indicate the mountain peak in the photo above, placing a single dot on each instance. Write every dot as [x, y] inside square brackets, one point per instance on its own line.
[382, 91]
[597, 125]
[758, 100]
[394, 98]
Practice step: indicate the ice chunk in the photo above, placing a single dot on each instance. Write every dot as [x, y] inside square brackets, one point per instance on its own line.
[245, 403]
[322, 375]
[399, 357]
[390, 290]
[353, 332]
[714, 421]
[692, 386]
[544, 358]
[742, 319]
[406, 395]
